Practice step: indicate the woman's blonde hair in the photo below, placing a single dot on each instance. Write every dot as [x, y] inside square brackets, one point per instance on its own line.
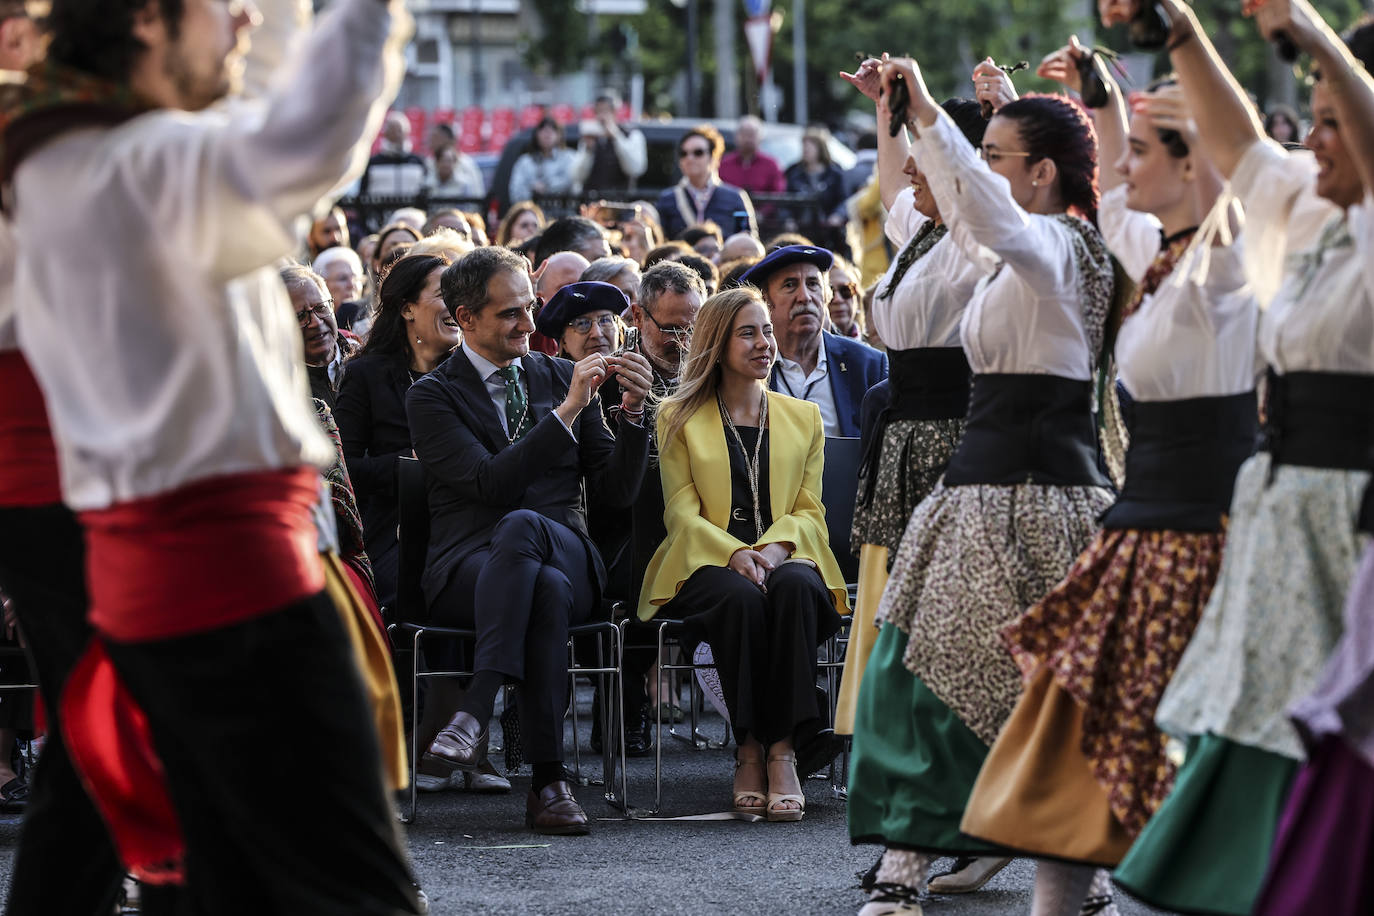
[701, 369]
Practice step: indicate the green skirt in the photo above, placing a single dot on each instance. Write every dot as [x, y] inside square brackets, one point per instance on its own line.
[1206, 850]
[914, 762]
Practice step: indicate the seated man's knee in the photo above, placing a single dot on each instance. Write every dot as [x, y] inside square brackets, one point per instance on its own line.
[516, 528]
[552, 590]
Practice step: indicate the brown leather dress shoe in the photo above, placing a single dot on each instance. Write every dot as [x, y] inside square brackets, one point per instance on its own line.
[553, 810]
[460, 745]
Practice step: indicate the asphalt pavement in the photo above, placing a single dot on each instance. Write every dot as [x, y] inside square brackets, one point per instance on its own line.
[473, 854]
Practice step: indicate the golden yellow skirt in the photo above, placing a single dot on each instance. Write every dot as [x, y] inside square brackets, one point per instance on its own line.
[863, 633]
[374, 665]
[1036, 793]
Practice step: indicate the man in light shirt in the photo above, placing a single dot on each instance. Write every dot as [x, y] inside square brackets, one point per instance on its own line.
[831, 371]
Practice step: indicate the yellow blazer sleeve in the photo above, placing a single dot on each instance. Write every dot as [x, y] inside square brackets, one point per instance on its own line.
[804, 525]
[692, 542]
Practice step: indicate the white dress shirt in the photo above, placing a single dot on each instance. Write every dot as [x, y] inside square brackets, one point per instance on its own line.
[1317, 260]
[490, 374]
[1191, 338]
[814, 387]
[928, 304]
[172, 354]
[1027, 319]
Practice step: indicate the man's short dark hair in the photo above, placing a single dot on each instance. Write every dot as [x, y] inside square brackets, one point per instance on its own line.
[464, 282]
[668, 277]
[703, 268]
[97, 36]
[567, 234]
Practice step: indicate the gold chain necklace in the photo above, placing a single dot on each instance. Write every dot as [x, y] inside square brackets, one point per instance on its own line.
[751, 465]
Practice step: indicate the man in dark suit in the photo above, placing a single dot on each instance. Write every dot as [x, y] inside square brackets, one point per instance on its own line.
[831, 371]
[508, 438]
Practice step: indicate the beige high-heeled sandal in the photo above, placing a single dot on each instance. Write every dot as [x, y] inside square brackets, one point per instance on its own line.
[774, 813]
[751, 795]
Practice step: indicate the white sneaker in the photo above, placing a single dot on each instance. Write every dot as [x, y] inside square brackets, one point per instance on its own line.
[973, 875]
[426, 783]
[486, 780]
[886, 905]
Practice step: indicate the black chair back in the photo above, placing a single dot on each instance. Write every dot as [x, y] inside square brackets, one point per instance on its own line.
[839, 490]
[413, 535]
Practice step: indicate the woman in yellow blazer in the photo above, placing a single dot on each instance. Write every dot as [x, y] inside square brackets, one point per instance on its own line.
[746, 562]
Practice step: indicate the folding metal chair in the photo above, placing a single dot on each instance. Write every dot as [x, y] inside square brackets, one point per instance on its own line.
[413, 537]
[839, 493]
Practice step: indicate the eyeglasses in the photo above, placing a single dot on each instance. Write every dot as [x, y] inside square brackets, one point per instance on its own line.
[672, 330]
[583, 325]
[695, 152]
[846, 291]
[322, 311]
[992, 154]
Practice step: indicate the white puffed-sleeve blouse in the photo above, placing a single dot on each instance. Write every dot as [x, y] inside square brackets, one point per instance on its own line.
[1190, 338]
[927, 306]
[1310, 261]
[1027, 317]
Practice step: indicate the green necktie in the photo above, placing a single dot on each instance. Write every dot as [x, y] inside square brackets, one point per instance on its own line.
[518, 421]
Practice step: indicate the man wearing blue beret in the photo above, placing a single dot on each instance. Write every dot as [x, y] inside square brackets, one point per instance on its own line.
[814, 365]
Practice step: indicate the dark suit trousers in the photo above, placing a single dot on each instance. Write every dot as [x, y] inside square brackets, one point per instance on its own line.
[65, 862]
[521, 594]
[764, 645]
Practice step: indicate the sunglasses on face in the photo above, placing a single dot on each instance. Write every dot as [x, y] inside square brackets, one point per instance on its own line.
[846, 291]
[695, 152]
[321, 311]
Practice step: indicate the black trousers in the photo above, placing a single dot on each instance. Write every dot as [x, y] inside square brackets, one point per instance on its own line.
[273, 766]
[764, 645]
[65, 862]
[521, 594]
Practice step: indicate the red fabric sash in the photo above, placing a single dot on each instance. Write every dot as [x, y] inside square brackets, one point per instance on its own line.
[209, 555]
[28, 459]
[110, 745]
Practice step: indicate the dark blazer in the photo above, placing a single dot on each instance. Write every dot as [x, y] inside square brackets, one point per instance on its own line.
[476, 477]
[853, 368]
[371, 413]
[725, 201]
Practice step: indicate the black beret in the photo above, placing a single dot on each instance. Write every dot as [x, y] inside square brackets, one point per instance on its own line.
[577, 299]
[792, 254]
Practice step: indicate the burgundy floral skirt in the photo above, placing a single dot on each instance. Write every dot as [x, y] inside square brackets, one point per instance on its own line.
[1111, 634]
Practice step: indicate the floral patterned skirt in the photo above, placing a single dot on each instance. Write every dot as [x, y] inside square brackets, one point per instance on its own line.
[973, 559]
[1275, 614]
[913, 456]
[1110, 635]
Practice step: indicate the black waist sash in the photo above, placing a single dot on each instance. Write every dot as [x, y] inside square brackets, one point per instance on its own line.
[927, 383]
[1028, 429]
[923, 383]
[1320, 420]
[1182, 462]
